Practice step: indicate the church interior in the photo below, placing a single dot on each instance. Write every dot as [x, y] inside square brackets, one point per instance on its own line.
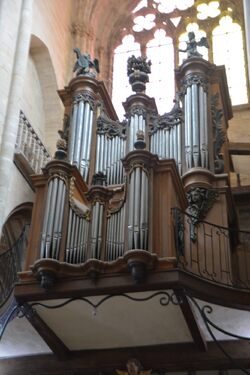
[124, 187]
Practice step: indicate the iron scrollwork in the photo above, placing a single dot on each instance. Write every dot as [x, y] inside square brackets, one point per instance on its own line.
[204, 311]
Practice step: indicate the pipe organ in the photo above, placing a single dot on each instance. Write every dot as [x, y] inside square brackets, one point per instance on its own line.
[112, 184]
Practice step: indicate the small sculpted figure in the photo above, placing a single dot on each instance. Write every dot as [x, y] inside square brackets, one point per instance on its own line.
[134, 367]
[192, 45]
[84, 64]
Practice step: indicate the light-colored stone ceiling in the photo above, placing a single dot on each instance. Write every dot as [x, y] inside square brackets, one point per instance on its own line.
[104, 16]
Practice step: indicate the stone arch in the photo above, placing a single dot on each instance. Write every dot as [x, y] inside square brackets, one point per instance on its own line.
[18, 220]
[46, 108]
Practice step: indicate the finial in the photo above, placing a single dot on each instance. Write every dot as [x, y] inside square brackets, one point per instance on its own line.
[140, 143]
[61, 146]
[84, 65]
[138, 69]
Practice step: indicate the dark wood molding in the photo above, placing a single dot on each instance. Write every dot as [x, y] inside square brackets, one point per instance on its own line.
[171, 357]
[52, 340]
[239, 148]
[117, 283]
[191, 320]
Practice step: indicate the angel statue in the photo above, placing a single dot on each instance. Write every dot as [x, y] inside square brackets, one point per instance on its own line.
[134, 367]
[192, 45]
[84, 64]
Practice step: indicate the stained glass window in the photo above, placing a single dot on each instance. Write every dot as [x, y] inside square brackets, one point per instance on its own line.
[159, 28]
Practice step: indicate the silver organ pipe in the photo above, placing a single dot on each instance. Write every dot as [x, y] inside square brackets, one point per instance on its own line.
[77, 237]
[137, 210]
[80, 134]
[109, 152]
[115, 234]
[96, 230]
[196, 126]
[165, 137]
[188, 128]
[53, 218]
[79, 131]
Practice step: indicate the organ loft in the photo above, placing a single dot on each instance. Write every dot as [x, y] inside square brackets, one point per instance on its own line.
[134, 209]
[114, 197]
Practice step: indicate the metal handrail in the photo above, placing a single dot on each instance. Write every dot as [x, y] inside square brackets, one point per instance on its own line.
[217, 254]
[11, 264]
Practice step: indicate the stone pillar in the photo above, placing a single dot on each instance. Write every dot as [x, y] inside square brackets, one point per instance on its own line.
[9, 20]
[11, 119]
[246, 5]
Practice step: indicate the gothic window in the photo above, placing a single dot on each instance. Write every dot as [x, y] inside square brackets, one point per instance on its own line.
[228, 50]
[159, 28]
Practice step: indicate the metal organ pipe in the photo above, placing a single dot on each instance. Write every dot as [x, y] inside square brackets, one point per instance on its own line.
[80, 134]
[77, 237]
[53, 218]
[115, 235]
[138, 210]
[109, 152]
[196, 126]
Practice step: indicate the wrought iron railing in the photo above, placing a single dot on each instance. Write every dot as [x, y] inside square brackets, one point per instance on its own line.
[212, 252]
[11, 264]
[30, 146]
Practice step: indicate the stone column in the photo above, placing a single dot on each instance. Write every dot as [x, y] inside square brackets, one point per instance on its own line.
[9, 21]
[246, 5]
[11, 121]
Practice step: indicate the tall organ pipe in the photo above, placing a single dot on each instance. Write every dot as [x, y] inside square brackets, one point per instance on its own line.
[80, 135]
[138, 210]
[53, 218]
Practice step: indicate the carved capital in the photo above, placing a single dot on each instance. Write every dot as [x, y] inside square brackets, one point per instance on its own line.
[137, 110]
[85, 96]
[194, 79]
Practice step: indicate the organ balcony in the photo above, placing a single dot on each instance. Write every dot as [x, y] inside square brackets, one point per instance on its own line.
[142, 205]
